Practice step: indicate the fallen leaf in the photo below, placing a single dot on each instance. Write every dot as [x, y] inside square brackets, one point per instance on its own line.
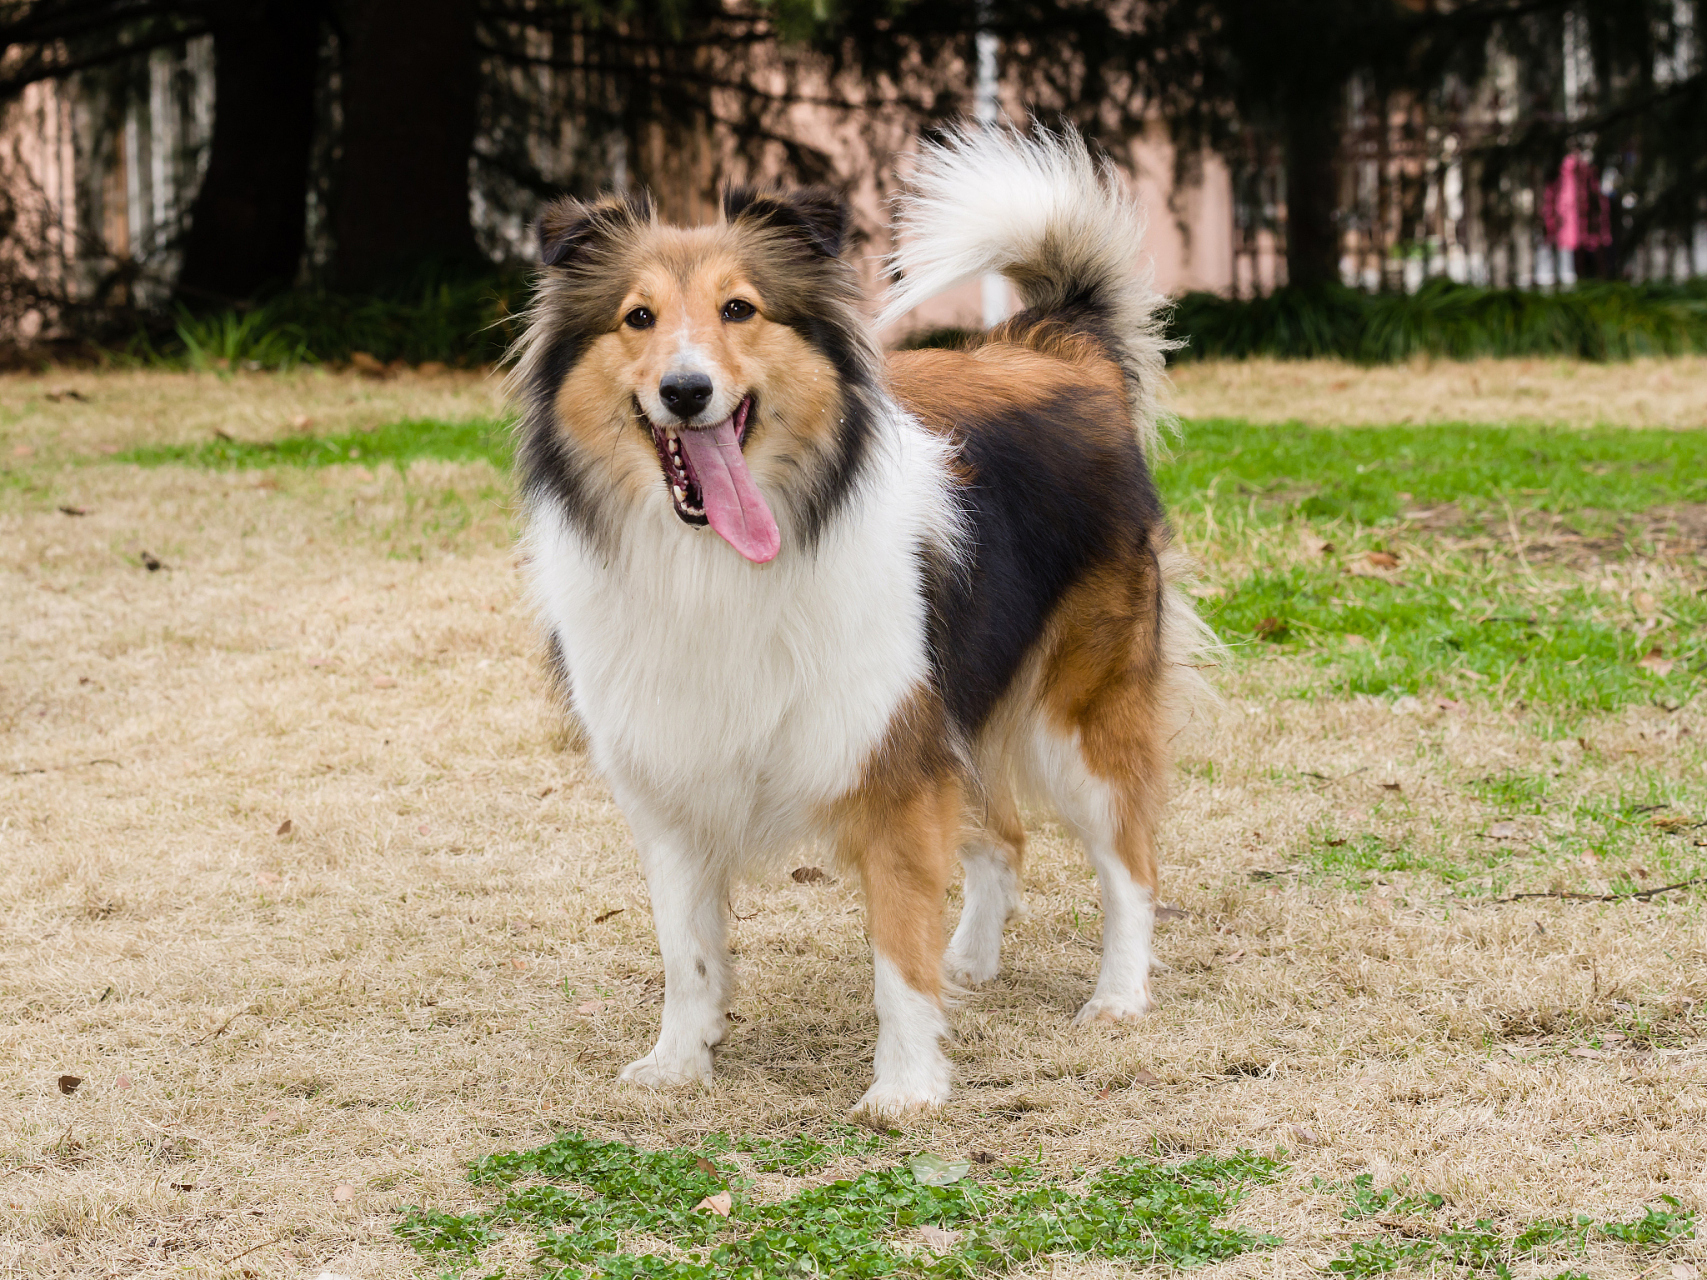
[806, 875]
[516, 963]
[546, 792]
[68, 1084]
[384, 682]
[1315, 544]
[74, 511]
[1354, 641]
[1582, 1052]
[1657, 663]
[590, 1006]
[983, 1157]
[1670, 821]
[1271, 629]
[720, 1204]
[1645, 602]
[1304, 1133]
[934, 1171]
[152, 562]
[1381, 559]
[938, 1239]
[285, 828]
[1235, 957]
[343, 1193]
[183, 1186]
[1449, 704]
[1167, 911]
[302, 422]
[1144, 1078]
[422, 828]
[606, 915]
[368, 365]
[268, 877]
[123, 1082]
[1391, 786]
[705, 1166]
[1684, 1271]
[268, 1118]
[1504, 831]
[1103, 1093]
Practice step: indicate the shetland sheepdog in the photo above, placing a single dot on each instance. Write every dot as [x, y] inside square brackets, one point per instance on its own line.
[796, 589]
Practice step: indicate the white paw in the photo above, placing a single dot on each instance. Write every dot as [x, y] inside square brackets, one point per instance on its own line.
[887, 1102]
[970, 970]
[658, 1072]
[1127, 1007]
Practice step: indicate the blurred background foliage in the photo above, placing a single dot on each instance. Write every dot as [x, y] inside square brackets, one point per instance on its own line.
[365, 170]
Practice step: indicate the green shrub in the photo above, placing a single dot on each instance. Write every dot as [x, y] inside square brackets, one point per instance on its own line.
[1596, 320]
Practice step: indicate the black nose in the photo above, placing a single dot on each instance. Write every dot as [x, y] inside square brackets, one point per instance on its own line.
[685, 394]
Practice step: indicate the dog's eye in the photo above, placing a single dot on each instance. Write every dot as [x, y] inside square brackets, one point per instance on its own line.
[640, 318]
[737, 309]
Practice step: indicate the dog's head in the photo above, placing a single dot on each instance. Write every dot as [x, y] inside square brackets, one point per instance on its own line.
[707, 368]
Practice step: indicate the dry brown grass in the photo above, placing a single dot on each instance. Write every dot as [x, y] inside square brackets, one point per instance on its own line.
[1637, 393]
[391, 989]
[67, 414]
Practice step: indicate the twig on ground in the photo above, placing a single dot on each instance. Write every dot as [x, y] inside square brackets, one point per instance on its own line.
[1311, 773]
[221, 1028]
[254, 1248]
[1641, 895]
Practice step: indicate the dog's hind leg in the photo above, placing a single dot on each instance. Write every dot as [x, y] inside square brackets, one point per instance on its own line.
[993, 859]
[1110, 805]
[902, 845]
[690, 910]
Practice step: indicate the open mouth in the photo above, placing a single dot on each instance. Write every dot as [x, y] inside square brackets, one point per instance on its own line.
[679, 474]
[705, 469]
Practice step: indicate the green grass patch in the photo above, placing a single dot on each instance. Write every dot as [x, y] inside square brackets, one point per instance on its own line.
[1629, 842]
[1478, 618]
[399, 443]
[1467, 630]
[1596, 320]
[1371, 475]
[1417, 1240]
[614, 1210]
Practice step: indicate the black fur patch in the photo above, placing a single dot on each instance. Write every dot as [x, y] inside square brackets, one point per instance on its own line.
[817, 216]
[1045, 501]
[585, 248]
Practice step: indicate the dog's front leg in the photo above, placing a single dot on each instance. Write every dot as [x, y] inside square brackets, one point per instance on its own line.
[903, 852]
[690, 912]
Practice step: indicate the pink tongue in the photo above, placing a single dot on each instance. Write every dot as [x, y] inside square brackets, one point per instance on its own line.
[733, 504]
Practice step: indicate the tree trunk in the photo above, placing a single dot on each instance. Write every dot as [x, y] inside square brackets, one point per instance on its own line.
[1312, 192]
[247, 222]
[409, 98]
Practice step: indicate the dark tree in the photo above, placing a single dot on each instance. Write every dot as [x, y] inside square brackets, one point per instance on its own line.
[246, 226]
[400, 188]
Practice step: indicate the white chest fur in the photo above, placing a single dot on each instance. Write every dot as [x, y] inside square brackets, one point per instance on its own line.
[728, 701]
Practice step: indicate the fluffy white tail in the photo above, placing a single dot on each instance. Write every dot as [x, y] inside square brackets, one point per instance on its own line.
[1064, 229]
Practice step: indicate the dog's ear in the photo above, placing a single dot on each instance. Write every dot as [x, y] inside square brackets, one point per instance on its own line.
[568, 227]
[817, 216]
